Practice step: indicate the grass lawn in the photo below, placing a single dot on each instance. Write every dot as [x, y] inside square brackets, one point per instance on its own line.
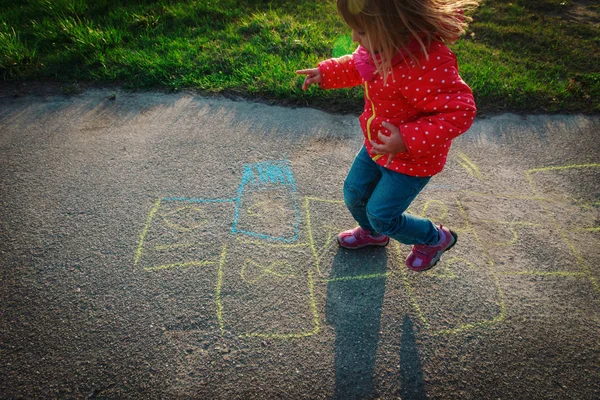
[519, 55]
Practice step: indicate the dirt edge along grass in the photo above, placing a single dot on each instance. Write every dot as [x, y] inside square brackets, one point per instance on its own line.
[526, 56]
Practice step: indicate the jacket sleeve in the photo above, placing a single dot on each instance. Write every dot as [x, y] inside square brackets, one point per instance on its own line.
[444, 101]
[337, 73]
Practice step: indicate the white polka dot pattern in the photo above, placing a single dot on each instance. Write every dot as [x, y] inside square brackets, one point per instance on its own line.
[427, 123]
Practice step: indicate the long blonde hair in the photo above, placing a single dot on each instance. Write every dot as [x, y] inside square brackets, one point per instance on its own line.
[391, 25]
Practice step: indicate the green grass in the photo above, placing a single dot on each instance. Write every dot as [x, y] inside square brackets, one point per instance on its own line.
[520, 55]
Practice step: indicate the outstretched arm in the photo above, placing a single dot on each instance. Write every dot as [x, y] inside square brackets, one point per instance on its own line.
[334, 73]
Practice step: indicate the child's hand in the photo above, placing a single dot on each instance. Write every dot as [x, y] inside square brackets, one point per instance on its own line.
[391, 145]
[313, 75]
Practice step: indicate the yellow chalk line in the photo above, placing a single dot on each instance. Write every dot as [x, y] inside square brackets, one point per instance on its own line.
[308, 198]
[311, 239]
[541, 273]
[409, 290]
[466, 327]
[218, 300]
[583, 265]
[138, 253]
[177, 226]
[507, 196]
[562, 167]
[518, 223]
[412, 297]
[358, 277]
[490, 262]
[441, 217]
[180, 265]
[219, 306]
[596, 229]
[330, 239]
[264, 271]
[513, 240]
[421, 316]
[469, 166]
[176, 246]
[244, 240]
[315, 314]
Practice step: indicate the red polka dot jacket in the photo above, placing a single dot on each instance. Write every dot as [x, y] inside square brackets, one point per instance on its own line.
[428, 101]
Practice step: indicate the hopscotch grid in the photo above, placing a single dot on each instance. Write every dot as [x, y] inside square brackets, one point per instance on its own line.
[580, 261]
[318, 254]
[464, 327]
[316, 319]
[178, 227]
[490, 264]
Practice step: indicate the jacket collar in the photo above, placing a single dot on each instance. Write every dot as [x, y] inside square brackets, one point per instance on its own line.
[363, 60]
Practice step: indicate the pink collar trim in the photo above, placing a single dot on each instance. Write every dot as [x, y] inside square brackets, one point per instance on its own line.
[363, 60]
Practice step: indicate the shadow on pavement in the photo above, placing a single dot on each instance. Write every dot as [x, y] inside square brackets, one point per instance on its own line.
[412, 386]
[354, 301]
[355, 293]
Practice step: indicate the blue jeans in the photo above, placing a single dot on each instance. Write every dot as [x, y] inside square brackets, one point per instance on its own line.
[378, 197]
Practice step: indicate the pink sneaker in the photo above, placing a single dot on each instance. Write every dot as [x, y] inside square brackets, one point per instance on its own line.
[423, 257]
[359, 237]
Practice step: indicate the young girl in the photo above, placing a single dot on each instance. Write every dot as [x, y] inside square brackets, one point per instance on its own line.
[415, 104]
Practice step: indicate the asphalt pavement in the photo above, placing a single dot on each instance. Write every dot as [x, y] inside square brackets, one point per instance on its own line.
[174, 246]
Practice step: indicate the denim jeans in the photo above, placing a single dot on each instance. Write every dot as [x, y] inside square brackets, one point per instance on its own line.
[378, 197]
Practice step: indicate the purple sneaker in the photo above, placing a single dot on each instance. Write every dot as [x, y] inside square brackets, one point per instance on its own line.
[359, 237]
[423, 257]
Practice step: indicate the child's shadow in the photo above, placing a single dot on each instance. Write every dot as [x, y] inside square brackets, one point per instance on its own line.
[354, 299]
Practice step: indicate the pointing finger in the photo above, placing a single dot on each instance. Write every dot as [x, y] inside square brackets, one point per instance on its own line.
[310, 71]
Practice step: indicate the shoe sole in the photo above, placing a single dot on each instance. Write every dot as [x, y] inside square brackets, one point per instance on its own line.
[364, 245]
[455, 236]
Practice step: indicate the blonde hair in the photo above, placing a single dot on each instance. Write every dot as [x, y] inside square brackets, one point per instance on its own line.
[391, 25]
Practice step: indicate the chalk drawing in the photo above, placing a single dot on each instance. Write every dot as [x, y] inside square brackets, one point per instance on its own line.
[445, 270]
[218, 290]
[280, 259]
[277, 180]
[469, 165]
[531, 177]
[178, 234]
[451, 274]
[428, 210]
[138, 253]
[177, 246]
[277, 268]
[180, 265]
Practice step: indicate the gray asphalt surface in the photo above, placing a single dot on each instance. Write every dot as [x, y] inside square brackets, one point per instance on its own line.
[174, 246]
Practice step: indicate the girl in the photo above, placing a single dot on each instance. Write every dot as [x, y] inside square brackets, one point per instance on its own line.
[415, 104]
